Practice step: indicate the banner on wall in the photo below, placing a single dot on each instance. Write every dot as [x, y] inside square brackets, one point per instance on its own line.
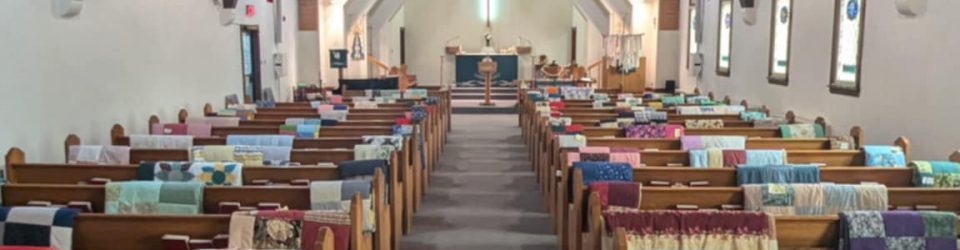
[338, 58]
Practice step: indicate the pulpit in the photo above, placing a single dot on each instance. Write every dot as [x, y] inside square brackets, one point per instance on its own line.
[487, 67]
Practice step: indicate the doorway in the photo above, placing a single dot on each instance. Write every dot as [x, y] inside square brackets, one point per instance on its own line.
[250, 48]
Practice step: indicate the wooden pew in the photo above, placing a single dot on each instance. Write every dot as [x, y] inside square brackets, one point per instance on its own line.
[713, 197]
[793, 232]
[58, 183]
[290, 196]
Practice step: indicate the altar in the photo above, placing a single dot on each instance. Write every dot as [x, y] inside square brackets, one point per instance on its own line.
[467, 74]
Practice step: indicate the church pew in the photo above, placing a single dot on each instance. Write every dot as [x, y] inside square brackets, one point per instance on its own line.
[20, 172]
[556, 194]
[122, 232]
[655, 198]
[293, 197]
[793, 232]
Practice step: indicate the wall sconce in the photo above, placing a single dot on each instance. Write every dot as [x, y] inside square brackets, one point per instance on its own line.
[911, 8]
[67, 8]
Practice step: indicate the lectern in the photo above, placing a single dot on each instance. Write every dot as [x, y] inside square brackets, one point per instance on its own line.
[487, 67]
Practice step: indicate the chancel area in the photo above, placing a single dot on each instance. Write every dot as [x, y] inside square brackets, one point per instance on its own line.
[479, 124]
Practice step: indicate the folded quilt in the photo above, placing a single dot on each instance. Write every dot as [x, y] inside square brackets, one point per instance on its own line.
[632, 158]
[664, 131]
[897, 230]
[617, 195]
[813, 199]
[338, 115]
[206, 173]
[721, 142]
[702, 124]
[161, 141]
[365, 105]
[301, 121]
[290, 130]
[212, 153]
[843, 143]
[249, 155]
[576, 93]
[308, 131]
[768, 123]
[192, 129]
[884, 156]
[802, 131]
[362, 169]
[939, 174]
[604, 97]
[337, 195]
[650, 116]
[403, 129]
[603, 171]
[260, 140]
[672, 100]
[716, 158]
[37, 227]
[394, 141]
[372, 152]
[682, 230]
[150, 197]
[415, 94]
[780, 174]
[752, 115]
[710, 110]
[95, 154]
[287, 229]
[216, 122]
[572, 141]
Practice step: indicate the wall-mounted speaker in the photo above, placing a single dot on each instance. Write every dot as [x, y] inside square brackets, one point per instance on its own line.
[67, 8]
[912, 8]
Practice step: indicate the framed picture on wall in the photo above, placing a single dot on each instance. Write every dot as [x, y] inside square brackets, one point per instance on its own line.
[847, 47]
[724, 35]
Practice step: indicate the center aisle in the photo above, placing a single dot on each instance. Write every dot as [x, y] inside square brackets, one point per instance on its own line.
[483, 194]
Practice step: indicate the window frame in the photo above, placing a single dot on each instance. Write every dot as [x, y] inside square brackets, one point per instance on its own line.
[690, 36]
[772, 77]
[720, 22]
[837, 13]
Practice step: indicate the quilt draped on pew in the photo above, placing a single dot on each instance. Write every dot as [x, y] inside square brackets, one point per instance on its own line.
[161, 141]
[363, 169]
[206, 173]
[716, 158]
[884, 156]
[37, 226]
[813, 199]
[895, 230]
[372, 152]
[784, 174]
[260, 140]
[216, 122]
[939, 174]
[337, 195]
[150, 197]
[802, 131]
[703, 124]
[600, 171]
[665, 131]
[688, 230]
[96, 154]
[617, 195]
[752, 115]
[604, 154]
[717, 141]
[287, 229]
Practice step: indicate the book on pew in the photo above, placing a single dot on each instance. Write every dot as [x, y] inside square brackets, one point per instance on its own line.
[687, 207]
[261, 182]
[660, 183]
[83, 206]
[201, 244]
[175, 242]
[926, 208]
[699, 183]
[731, 207]
[300, 182]
[268, 206]
[221, 241]
[98, 181]
[39, 203]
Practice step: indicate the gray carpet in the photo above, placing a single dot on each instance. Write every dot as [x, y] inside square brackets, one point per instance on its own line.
[484, 194]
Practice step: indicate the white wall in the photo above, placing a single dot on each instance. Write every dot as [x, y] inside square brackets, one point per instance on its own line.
[117, 62]
[264, 20]
[430, 23]
[909, 72]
